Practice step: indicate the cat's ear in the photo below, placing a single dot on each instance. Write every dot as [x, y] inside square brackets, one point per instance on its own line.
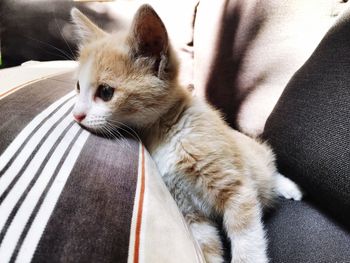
[85, 28]
[148, 34]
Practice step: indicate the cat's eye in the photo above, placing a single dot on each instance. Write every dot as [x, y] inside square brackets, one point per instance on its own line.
[78, 87]
[105, 92]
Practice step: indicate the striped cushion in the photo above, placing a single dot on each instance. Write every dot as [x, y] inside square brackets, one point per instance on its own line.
[69, 196]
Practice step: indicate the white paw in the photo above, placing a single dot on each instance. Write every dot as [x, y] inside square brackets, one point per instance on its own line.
[287, 188]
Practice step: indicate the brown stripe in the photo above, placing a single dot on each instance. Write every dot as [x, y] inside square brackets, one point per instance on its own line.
[140, 209]
[10, 90]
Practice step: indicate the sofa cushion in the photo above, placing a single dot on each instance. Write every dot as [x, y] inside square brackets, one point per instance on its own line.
[245, 52]
[300, 232]
[70, 196]
[309, 127]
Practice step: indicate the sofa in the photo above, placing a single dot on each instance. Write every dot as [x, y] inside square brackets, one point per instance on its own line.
[278, 70]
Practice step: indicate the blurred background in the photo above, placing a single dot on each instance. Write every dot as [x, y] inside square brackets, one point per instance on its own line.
[238, 54]
[42, 30]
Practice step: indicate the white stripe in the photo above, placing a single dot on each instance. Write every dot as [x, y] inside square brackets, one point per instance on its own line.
[22, 157]
[14, 195]
[18, 224]
[37, 228]
[22, 136]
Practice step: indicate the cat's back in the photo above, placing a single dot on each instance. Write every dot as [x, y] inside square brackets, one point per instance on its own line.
[201, 136]
[207, 125]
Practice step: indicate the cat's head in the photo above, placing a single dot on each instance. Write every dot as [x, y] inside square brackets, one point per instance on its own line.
[128, 78]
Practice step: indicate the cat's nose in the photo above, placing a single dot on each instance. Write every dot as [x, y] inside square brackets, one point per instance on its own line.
[79, 117]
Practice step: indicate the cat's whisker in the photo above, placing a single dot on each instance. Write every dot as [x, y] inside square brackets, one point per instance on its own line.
[121, 137]
[133, 133]
[114, 133]
[110, 135]
[115, 126]
[65, 55]
[65, 40]
[128, 132]
[104, 134]
[55, 54]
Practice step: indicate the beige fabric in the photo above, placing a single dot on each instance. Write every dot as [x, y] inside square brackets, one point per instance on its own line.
[16, 77]
[246, 52]
[164, 235]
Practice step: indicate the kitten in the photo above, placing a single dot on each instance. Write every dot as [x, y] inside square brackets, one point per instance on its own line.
[211, 170]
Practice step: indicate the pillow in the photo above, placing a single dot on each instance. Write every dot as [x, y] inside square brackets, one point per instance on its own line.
[245, 52]
[310, 125]
[70, 196]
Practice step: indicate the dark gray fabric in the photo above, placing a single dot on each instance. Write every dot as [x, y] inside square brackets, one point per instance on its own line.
[19, 108]
[93, 215]
[309, 127]
[299, 232]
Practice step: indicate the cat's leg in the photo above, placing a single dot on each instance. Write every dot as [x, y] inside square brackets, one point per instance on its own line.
[207, 236]
[242, 220]
[287, 188]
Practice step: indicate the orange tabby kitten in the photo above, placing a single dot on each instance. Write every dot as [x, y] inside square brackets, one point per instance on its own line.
[211, 170]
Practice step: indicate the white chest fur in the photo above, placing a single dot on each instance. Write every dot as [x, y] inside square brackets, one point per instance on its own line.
[167, 156]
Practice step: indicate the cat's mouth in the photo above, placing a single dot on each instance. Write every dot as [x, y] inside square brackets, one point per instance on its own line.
[105, 132]
[92, 129]
[87, 128]
[92, 124]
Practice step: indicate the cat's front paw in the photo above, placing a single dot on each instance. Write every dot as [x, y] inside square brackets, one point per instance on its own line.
[287, 188]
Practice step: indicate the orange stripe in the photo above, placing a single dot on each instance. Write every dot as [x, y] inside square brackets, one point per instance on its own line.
[22, 85]
[2, 95]
[140, 208]
[9, 91]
